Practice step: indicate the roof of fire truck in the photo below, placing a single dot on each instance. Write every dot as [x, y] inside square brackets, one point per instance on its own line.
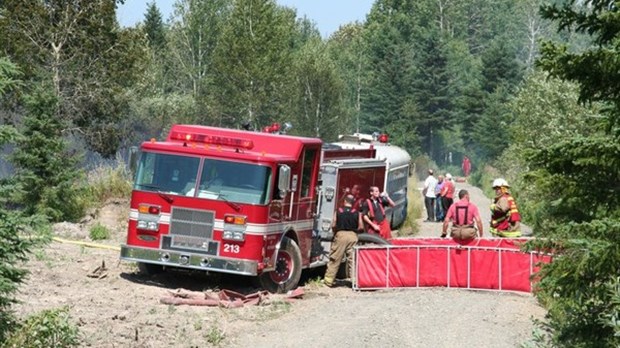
[231, 143]
[394, 155]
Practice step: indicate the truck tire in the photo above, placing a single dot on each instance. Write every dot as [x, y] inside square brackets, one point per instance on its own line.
[370, 238]
[149, 269]
[288, 269]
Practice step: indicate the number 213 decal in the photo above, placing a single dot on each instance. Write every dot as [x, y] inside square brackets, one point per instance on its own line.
[231, 248]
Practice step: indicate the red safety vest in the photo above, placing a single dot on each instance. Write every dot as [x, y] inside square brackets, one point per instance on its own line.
[371, 209]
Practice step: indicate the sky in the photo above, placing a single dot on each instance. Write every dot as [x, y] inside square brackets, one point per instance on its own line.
[328, 15]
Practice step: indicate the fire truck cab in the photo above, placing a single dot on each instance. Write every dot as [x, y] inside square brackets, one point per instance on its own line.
[240, 202]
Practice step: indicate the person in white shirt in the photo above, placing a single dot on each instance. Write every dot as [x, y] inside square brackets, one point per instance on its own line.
[429, 195]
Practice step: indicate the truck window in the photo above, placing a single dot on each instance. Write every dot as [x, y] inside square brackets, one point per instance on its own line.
[235, 181]
[306, 179]
[171, 174]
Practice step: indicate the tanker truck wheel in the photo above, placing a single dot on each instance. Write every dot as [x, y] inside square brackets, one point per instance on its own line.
[288, 269]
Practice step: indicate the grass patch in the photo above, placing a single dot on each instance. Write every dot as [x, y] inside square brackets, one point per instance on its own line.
[40, 255]
[99, 232]
[108, 181]
[314, 283]
[215, 336]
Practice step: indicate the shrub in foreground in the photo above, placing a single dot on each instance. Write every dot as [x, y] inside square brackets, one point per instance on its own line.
[49, 328]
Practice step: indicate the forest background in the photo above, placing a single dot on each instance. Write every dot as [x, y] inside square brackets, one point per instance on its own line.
[527, 89]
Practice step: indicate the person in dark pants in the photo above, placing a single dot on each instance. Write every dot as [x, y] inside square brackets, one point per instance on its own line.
[447, 193]
[345, 224]
[429, 195]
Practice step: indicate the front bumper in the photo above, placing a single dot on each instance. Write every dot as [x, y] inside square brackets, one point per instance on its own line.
[188, 260]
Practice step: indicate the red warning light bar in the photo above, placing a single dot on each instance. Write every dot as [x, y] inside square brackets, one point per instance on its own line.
[213, 140]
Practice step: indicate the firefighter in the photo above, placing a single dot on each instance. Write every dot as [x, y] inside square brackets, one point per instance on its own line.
[505, 217]
[463, 215]
[345, 224]
[374, 213]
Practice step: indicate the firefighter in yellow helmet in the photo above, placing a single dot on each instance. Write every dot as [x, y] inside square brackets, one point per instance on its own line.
[505, 217]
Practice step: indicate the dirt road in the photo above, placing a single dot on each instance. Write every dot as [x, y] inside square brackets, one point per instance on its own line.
[121, 308]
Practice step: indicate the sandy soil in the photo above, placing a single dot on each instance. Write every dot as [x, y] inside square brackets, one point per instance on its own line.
[121, 308]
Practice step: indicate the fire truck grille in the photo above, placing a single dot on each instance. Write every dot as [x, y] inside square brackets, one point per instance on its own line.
[192, 223]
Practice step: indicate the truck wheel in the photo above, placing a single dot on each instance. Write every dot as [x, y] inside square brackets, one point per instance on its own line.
[149, 269]
[288, 269]
[370, 238]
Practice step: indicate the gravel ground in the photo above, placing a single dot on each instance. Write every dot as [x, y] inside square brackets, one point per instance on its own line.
[122, 308]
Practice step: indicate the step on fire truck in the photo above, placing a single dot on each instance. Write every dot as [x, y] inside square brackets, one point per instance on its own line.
[243, 202]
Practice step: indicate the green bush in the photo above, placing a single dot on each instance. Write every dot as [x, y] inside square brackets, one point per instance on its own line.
[99, 232]
[49, 328]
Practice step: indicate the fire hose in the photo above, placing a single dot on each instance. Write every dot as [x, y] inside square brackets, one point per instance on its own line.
[87, 244]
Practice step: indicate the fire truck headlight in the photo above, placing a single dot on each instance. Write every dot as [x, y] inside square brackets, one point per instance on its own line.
[152, 225]
[141, 224]
[234, 235]
[238, 236]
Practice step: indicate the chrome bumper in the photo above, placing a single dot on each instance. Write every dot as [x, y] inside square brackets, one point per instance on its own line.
[200, 262]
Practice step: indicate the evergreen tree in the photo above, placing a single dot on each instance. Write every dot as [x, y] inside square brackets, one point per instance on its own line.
[581, 287]
[431, 90]
[305, 30]
[14, 244]
[390, 68]
[490, 132]
[45, 171]
[500, 65]
[154, 27]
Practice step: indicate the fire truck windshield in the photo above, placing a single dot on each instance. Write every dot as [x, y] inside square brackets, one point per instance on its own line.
[203, 178]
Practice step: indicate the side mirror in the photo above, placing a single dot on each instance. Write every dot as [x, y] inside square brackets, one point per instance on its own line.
[284, 180]
[132, 159]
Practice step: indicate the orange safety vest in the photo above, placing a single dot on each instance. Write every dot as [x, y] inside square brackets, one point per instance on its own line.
[501, 220]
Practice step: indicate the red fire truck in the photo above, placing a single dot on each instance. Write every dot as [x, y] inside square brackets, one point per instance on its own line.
[242, 202]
